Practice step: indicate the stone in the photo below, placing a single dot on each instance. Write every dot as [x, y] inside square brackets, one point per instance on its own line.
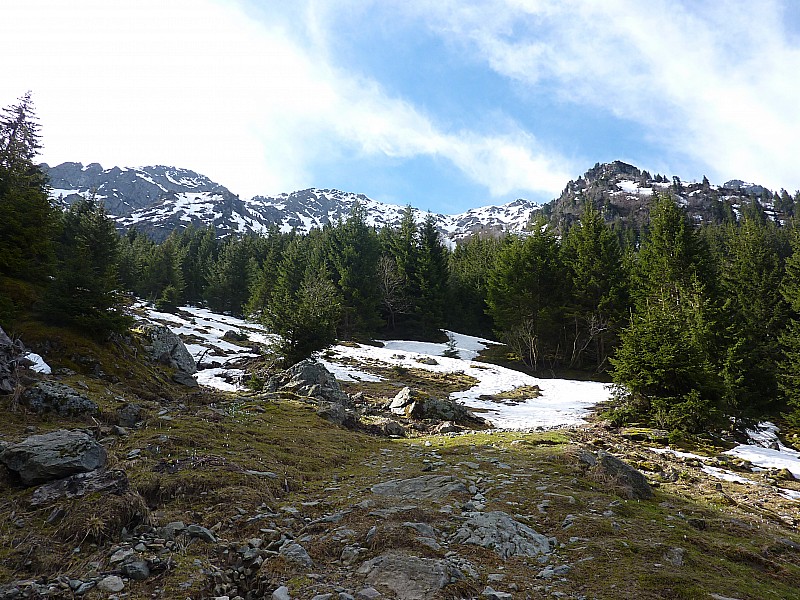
[130, 415]
[10, 354]
[282, 593]
[171, 530]
[368, 593]
[633, 484]
[111, 584]
[198, 531]
[54, 455]
[424, 487]
[337, 414]
[498, 531]
[311, 379]
[409, 577]
[322, 597]
[417, 405]
[393, 428]
[138, 570]
[295, 553]
[121, 555]
[81, 484]
[49, 396]
[492, 594]
[163, 346]
[674, 556]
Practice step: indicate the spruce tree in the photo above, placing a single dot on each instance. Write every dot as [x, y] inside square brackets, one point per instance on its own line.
[432, 278]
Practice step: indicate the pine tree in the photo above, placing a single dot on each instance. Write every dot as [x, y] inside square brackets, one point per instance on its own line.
[28, 218]
[85, 290]
[432, 278]
[524, 295]
[597, 284]
[789, 365]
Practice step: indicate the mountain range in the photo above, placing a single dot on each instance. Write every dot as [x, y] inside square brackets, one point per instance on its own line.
[159, 199]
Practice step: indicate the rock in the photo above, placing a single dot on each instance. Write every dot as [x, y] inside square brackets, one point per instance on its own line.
[111, 584]
[10, 354]
[282, 593]
[674, 556]
[130, 415]
[198, 531]
[447, 427]
[55, 455]
[417, 405]
[368, 593]
[410, 577]
[47, 396]
[498, 531]
[427, 487]
[427, 360]
[309, 378]
[171, 530]
[122, 555]
[393, 428]
[295, 553]
[165, 347]
[632, 482]
[337, 414]
[138, 570]
[492, 594]
[322, 597]
[234, 336]
[81, 484]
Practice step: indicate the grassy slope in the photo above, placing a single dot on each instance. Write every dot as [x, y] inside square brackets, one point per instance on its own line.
[196, 447]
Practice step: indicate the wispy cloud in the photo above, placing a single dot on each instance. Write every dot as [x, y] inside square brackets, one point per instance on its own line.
[253, 102]
[714, 81]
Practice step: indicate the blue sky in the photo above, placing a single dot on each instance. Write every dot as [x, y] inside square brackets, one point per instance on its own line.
[444, 105]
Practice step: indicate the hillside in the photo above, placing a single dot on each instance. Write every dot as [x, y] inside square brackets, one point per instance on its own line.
[261, 494]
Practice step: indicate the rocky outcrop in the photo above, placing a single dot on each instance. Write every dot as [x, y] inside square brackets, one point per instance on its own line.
[410, 577]
[47, 396]
[165, 347]
[81, 484]
[10, 353]
[416, 405]
[425, 487]
[55, 455]
[499, 532]
[311, 379]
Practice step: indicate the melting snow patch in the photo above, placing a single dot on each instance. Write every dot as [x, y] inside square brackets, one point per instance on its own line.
[38, 363]
[766, 434]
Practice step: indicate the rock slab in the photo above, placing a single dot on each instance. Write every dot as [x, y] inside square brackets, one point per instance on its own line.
[409, 577]
[498, 531]
[425, 487]
[55, 455]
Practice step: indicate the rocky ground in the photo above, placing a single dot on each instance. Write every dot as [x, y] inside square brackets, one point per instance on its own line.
[120, 480]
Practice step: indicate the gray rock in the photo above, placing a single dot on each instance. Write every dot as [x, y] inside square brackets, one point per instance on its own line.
[633, 484]
[417, 405]
[498, 531]
[295, 553]
[138, 570]
[165, 347]
[393, 428]
[130, 415]
[409, 577]
[81, 484]
[48, 396]
[322, 597]
[10, 354]
[492, 594]
[674, 556]
[368, 593]
[55, 455]
[427, 487]
[198, 531]
[111, 584]
[171, 530]
[282, 593]
[337, 414]
[309, 378]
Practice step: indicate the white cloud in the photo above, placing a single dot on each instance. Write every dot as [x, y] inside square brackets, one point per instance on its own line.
[716, 81]
[205, 85]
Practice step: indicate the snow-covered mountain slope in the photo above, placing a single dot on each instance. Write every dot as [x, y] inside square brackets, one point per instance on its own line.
[159, 199]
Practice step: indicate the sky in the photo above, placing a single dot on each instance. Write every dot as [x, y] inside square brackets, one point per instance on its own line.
[445, 105]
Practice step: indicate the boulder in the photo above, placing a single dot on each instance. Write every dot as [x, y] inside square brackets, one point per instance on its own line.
[309, 378]
[417, 405]
[425, 487]
[295, 553]
[165, 347]
[410, 577]
[81, 484]
[130, 415]
[497, 531]
[609, 468]
[55, 455]
[48, 396]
